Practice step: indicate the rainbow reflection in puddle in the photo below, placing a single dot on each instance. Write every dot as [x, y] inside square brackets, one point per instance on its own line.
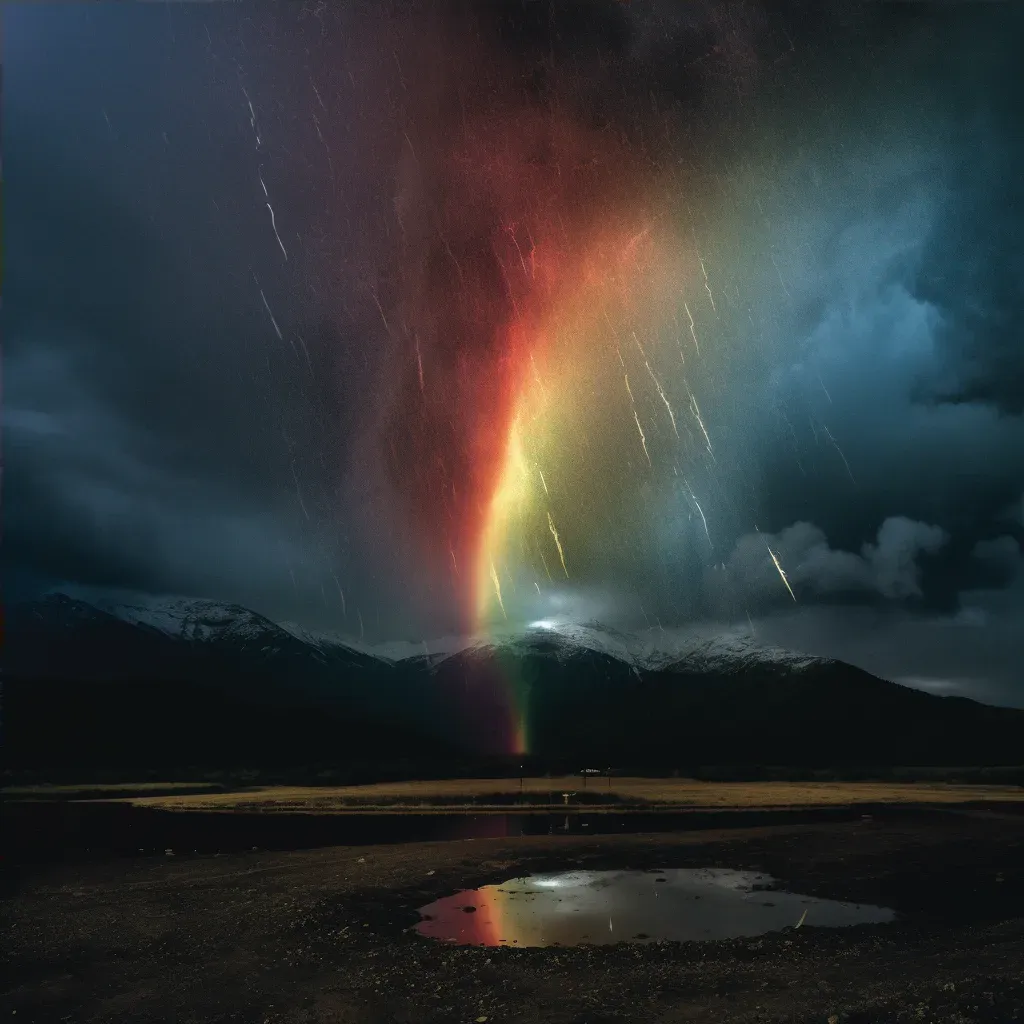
[601, 907]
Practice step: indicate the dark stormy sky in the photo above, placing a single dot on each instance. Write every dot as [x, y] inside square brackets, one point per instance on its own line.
[266, 335]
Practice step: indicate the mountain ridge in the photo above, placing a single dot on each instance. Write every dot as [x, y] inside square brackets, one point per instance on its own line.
[578, 690]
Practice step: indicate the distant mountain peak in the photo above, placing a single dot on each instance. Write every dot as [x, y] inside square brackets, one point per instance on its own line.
[201, 620]
[735, 648]
[590, 690]
[194, 622]
[670, 650]
[190, 618]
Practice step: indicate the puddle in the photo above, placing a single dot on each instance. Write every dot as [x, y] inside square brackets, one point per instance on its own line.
[681, 904]
[36, 831]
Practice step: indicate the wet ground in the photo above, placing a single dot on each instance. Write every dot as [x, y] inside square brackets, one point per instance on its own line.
[36, 831]
[329, 934]
[573, 908]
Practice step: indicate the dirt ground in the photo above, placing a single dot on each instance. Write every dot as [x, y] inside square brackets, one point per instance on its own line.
[322, 935]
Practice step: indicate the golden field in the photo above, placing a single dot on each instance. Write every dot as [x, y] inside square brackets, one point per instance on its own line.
[623, 794]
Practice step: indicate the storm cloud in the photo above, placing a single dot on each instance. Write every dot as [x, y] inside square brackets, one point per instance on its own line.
[208, 218]
[887, 567]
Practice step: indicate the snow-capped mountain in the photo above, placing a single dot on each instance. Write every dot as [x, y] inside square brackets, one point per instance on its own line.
[201, 621]
[204, 622]
[192, 619]
[728, 651]
[117, 664]
[677, 650]
[561, 645]
[131, 635]
[590, 636]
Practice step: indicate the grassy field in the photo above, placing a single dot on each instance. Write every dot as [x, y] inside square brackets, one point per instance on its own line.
[624, 794]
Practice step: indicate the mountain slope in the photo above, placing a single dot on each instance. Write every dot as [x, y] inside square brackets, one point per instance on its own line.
[68, 638]
[212, 682]
[185, 682]
[724, 701]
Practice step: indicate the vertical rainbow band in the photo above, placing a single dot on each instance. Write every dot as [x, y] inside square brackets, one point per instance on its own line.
[573, 376]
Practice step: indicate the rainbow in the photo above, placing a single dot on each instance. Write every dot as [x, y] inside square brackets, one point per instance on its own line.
[551, 309]
[498, 920]
[588, 339]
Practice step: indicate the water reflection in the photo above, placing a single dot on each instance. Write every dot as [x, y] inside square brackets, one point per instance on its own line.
[34, 831]
[574, 907]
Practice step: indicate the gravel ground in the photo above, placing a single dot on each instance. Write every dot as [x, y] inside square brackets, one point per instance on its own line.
[323, 935]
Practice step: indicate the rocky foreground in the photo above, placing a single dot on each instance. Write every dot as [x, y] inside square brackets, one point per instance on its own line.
[323, 935]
